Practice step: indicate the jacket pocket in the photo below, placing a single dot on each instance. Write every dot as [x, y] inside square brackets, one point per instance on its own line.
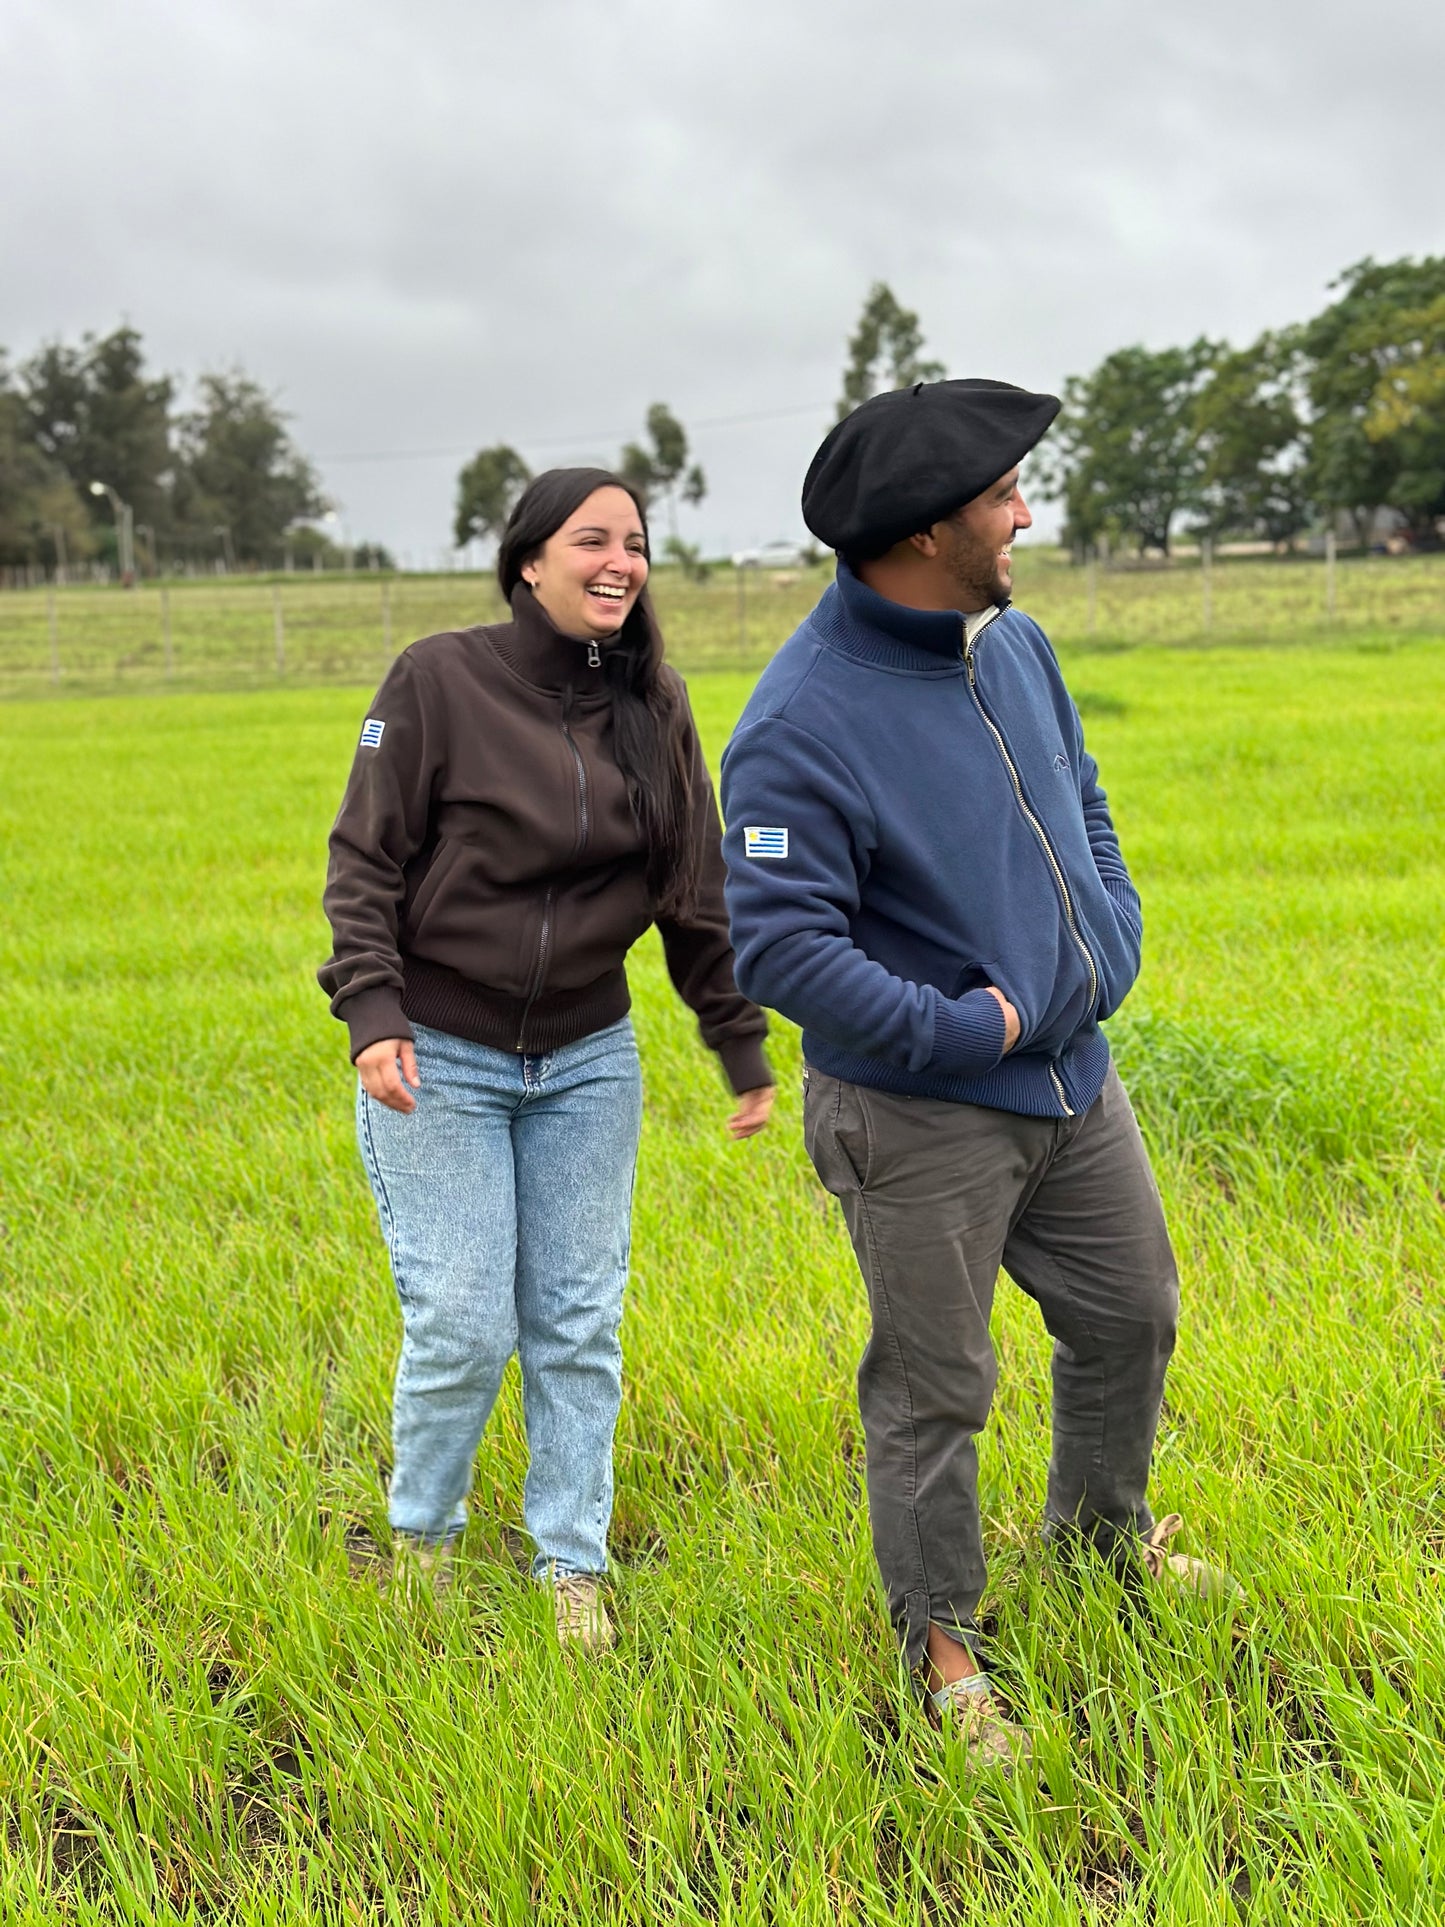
[995, 976]
[442, 859]
[973, 976]
[1117, 957]
[459, 918]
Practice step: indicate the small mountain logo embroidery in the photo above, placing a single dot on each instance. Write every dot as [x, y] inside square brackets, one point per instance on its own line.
[1061, 762]
[764, 843]
[371, 732]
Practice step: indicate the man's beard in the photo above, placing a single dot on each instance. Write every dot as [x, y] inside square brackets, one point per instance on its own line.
[976, 570]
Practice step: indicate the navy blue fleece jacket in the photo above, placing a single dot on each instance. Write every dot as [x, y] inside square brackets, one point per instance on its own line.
[911, 817]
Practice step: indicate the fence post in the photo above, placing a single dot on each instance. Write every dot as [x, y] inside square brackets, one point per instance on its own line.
[54, 636]
[166, 626]
[1093, 588]
[1206, 573]
[1329, 575]
[280, 629]
[742, 607]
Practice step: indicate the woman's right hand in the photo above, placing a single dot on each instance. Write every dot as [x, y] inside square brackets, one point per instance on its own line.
[382, 1077]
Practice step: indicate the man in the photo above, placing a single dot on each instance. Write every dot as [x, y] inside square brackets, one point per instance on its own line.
[922, 872]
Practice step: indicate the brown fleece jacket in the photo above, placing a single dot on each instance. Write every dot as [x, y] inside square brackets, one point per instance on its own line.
[487, 873]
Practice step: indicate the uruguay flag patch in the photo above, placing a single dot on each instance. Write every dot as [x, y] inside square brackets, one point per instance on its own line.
[764, 843]
[371, 732]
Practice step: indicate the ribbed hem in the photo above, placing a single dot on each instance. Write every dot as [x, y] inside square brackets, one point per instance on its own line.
[969, 1034]
[444, 1000]
[1022, 1083]
[744, 1065]
[372, 1015]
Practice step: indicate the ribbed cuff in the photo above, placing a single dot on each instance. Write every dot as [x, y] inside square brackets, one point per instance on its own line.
[1127, 898]
[744, 1064]
[968, 1034]
[371, 1016]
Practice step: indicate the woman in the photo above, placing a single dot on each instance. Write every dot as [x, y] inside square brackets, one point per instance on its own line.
[526, 800]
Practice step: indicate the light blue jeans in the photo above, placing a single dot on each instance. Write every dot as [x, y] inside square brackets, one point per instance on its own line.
[505, 1199]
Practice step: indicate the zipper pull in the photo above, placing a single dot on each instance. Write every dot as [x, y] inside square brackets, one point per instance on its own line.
[594, 656]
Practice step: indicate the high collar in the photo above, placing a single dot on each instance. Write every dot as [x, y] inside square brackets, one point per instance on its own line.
[535, 649]
[893, 634]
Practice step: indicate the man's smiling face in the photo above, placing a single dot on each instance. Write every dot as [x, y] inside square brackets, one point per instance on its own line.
[978, 540]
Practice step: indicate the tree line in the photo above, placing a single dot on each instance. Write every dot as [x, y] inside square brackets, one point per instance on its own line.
[90, 438]
[1341, 416]
[1336, 418]
[1332, 420]
[658, 468]
[885, 351]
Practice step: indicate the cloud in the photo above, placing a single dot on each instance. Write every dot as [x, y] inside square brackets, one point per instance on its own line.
[436, 226]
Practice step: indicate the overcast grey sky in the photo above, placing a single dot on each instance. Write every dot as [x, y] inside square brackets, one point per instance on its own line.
[433, 226]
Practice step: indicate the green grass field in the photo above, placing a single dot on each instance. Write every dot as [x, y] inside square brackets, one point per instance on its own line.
[205, 1718]
[223, 634]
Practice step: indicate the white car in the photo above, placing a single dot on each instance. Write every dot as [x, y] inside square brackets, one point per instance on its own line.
[772, 555]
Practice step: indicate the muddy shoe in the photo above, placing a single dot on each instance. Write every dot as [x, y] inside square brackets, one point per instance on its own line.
[420, 1568]
[1209, 1582]
[967, 1713]
[582, 1620]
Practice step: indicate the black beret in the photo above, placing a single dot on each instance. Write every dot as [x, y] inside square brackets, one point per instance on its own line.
[905, 460]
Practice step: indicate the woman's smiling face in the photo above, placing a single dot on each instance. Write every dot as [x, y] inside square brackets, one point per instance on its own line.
[588, 574]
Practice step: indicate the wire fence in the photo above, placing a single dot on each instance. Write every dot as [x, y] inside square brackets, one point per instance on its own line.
[246, 631]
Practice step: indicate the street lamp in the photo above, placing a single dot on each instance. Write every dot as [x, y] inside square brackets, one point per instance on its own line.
[124, 532]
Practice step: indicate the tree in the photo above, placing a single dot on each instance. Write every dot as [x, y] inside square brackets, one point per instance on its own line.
[487, 491]
[96, 415]
[885, 351]
[1411, 388]
[1124, 458]
[41, 516]
[1373, 362]
[1406, 415]
[1247, 421]
[688, 557]
[309, 547]
[662, 469]
[239, 471]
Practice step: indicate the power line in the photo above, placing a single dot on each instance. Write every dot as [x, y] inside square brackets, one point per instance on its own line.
[568, 441]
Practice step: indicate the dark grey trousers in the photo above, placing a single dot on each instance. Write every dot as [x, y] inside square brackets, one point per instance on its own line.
[936, 1197]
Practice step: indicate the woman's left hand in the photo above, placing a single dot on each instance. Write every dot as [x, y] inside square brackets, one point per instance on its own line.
[752, 1112]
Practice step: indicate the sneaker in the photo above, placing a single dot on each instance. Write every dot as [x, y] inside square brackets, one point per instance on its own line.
[581, 1616]
[422, 1567]
[1209, 1582]
[966, 1711]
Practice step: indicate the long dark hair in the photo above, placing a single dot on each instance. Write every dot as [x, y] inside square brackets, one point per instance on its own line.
[646, 714]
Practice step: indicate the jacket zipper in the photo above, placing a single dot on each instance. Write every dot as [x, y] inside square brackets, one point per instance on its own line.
[1058, 1082]
[1038, 829]
[544, 941]
[581, 842]
[543, 944]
